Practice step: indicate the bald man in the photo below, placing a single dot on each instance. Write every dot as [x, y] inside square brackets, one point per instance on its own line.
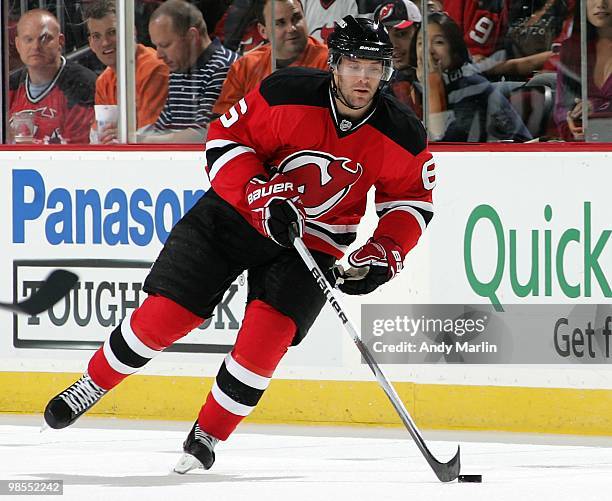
[58, 94]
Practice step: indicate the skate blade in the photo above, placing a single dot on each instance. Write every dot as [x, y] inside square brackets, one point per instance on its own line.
[44, 427]
[187, 463]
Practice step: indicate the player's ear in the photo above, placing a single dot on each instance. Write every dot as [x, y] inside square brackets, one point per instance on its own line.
[263, 33]
[61, 39]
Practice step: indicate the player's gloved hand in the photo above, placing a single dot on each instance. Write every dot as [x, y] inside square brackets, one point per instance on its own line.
[373, 264]
[275, 206]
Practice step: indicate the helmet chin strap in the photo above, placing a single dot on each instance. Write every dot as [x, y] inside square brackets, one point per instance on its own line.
[340, 96]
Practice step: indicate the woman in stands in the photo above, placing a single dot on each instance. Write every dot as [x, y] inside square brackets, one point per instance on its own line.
[535, 28]
[464, 105]
[568, 106]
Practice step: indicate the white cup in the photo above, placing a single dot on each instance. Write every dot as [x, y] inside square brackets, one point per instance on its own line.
[106, 115]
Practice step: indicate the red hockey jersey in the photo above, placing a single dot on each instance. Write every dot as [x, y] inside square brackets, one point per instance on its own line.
[290, 124]
[63, 113]
[483, 23]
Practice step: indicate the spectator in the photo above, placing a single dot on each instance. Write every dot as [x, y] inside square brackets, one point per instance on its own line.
[321, 15]
[402, 19]
[293, 48]
[483, 24]
[59, 94]
[533, 28]
[466, 107]
[151, 73]
[568, 106]
[212, 12]
[198, 67]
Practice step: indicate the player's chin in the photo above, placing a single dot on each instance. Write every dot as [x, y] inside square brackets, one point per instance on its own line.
[361, 98]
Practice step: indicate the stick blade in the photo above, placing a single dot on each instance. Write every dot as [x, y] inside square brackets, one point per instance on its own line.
[447, 472]
[55, 287]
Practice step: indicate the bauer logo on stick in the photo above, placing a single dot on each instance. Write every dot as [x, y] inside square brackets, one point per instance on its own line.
[326, 292]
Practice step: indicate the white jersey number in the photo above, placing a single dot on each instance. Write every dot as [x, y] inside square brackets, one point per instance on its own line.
[232, 115]
[482, 30]
[429, 174]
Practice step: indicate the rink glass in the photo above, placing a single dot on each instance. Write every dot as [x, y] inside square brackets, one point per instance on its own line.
[543, 94]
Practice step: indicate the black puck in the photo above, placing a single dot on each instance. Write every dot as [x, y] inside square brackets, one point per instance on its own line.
[470, 478]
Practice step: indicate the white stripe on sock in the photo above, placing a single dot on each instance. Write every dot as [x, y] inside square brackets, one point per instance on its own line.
[114, 362]
[244, 375]
[132, 339]
[228, 403]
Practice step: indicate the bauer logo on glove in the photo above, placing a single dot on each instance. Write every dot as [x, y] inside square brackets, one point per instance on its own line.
[268, 189]
[372, 265]
[275, 206]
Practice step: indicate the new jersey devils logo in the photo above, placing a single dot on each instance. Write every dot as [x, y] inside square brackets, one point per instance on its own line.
[385, 12]
[322, 179]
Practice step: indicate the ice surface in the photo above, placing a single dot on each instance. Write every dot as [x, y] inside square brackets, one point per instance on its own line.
[116, 460]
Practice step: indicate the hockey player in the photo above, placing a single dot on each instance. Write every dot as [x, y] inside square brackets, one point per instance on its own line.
[301, 150]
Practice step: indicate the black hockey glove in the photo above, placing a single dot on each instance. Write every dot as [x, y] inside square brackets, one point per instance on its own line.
[275, 206]
[377, 262]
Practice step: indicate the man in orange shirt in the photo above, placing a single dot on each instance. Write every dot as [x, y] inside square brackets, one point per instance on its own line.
[151, 72]
[293, 48]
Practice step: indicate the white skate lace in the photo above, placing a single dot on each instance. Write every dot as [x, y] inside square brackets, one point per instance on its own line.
[205, 438]
[82, 394]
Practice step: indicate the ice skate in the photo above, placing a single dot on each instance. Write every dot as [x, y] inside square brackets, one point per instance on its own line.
[65, 408]
[198, 451]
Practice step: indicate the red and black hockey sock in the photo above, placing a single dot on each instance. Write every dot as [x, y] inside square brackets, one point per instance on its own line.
[263, 340]
[151, 328]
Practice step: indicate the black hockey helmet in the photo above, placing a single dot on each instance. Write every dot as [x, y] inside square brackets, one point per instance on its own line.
[362, 38]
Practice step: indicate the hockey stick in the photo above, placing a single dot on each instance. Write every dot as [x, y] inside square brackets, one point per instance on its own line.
[446, 472]
[54, 288]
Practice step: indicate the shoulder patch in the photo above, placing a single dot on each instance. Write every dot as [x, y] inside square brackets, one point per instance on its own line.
[295, 85]
[400, 124]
